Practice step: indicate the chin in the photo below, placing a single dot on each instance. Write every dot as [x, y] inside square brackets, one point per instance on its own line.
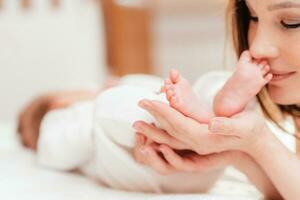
[281, 96]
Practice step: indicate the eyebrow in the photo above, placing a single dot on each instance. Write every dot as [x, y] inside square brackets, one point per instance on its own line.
[284, 5]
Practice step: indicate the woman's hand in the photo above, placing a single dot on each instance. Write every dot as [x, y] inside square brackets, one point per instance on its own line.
[182, 132]
[247, 130]
[166, 161]
[223, 134]
[32, 115]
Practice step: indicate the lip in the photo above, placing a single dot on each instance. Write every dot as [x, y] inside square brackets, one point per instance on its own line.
[279, 76]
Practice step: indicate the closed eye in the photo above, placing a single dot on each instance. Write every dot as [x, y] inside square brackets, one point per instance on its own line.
[290, 25]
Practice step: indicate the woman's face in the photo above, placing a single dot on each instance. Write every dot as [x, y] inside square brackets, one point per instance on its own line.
[274, 35]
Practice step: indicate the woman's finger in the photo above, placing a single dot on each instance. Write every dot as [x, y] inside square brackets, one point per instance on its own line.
[191, 133]
[194, 135]
[188, 163]
[158, 135]
[171, 120]
[148, 105]
[162, 89]
[235, 126]
[176, 160]
[157, 162]
[194, 162]
[140, 141]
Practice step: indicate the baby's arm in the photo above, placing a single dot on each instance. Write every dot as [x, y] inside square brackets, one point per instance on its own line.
[65, 140]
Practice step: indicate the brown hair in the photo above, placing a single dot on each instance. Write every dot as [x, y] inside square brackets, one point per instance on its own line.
[238, 17]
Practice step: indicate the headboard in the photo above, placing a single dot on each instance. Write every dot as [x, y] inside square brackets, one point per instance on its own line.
[128, 36]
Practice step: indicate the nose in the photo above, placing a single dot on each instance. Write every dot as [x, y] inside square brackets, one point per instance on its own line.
[263, 45]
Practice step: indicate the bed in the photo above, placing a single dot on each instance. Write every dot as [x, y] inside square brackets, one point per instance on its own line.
[22, 178]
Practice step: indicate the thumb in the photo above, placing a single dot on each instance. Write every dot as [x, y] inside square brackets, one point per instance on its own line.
[224, 126]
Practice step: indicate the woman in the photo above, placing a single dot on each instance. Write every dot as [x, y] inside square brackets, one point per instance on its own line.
[269, 30]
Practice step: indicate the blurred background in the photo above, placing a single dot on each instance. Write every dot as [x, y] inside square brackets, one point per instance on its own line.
[48, 45]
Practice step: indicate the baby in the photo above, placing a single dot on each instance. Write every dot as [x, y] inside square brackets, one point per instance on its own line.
[97, 138]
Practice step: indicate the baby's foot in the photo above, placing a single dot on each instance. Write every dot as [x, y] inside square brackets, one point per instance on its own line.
[181, 97]
[246, 82]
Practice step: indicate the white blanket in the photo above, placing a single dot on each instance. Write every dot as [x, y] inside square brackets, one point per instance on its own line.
[22, 178]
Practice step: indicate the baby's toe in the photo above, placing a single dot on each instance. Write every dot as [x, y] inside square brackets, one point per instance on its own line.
[162, 89]
[262, 64]
[268, 78]
[266, 70]
[170, 93]
[174, 76]
[168, 81]
[245, 57]
[169, 87]
[174, 101]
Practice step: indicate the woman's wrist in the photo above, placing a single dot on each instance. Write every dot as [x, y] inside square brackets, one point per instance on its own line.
[264, 146]
[257, 144]
[274, 158]
[235, 158]
[230, 158]
[241, 160]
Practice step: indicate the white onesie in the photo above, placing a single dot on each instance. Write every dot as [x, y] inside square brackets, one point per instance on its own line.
[97, 137]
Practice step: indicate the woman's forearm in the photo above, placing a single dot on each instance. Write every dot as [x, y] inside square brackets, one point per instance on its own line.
[281, 165]
[255, 174]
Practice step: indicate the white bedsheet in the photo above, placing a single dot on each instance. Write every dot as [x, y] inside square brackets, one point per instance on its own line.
[21, 178]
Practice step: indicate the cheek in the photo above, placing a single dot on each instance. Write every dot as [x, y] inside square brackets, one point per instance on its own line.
[287, 93]
[291, 54]
[289, 47]
[251, 34]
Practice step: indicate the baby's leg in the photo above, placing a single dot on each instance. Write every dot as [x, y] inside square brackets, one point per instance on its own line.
[248, 79]
[181, 97]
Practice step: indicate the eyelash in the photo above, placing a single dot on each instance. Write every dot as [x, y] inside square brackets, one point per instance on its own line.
[290, 26]
[285, 25]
